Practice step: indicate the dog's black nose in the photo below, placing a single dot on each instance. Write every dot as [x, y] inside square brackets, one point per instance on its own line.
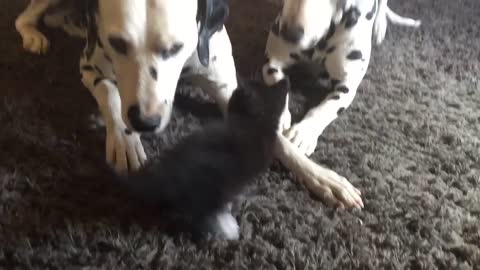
[142, 123]
[292, 33]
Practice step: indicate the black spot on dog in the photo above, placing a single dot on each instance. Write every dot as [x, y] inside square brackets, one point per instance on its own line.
[87, 68]
[351, 16]
[128, 131]
[170, 52]
[107, 57]
[99, 71]
[276, 28]
[186, 70]
[335, 82]
[324, 75]
[331, 49]
[370, 14]
[295, 56]
[343, 89]
[119, 45]
[322, 44]
[214, 58]
[336, 97]
[99, 43]
[97, 81]
[340, 111]
[271, 71]
[176, 49]
[309, 53]
[153, 73]
[355, 55]
[331, 31]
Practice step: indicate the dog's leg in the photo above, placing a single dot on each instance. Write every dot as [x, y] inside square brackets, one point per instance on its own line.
[332, 188]
[346, 66]
[124, 149]
[26, 25]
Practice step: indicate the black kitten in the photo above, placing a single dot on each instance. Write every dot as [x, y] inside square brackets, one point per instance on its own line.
[203, 173]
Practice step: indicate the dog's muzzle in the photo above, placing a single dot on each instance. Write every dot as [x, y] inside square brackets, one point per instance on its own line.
[141, 122]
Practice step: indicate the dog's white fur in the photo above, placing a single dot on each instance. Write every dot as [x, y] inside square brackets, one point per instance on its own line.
[315, 17]
[146, 26]
[139, 22]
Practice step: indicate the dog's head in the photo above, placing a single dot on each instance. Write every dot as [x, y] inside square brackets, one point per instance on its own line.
[304, 22]
[149, 42]
[258, 104]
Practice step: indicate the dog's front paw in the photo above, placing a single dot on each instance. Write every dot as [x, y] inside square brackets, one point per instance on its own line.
[34, 41]
[304, 136]
[124, 149]
[332, 188]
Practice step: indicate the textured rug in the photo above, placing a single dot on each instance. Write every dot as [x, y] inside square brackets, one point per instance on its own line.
[410, 141]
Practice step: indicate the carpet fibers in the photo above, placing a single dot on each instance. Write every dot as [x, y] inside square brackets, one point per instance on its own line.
[410, 142]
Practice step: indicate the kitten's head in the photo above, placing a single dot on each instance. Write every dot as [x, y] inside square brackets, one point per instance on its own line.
[257, 103]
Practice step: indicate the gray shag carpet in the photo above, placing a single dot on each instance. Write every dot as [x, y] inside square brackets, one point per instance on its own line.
[410, 142]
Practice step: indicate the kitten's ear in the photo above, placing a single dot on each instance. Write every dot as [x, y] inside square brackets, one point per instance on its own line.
[212, 15]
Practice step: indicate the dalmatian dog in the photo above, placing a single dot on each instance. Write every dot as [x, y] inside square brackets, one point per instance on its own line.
[334, 39]
[135, 53]
[137, 50]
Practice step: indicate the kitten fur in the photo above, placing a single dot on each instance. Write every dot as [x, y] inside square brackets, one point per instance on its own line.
[202, 174]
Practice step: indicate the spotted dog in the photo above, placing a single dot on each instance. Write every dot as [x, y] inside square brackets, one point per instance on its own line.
[334, 39]
[135, 53]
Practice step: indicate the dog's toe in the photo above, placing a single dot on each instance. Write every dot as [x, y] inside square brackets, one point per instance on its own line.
[304, 136]
[34, 41]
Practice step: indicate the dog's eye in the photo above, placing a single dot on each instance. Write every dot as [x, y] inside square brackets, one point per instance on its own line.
[119, 45]
[176, 48]
[172, 51]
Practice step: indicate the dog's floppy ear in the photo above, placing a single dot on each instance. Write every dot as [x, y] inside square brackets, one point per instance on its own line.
[211, 14]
